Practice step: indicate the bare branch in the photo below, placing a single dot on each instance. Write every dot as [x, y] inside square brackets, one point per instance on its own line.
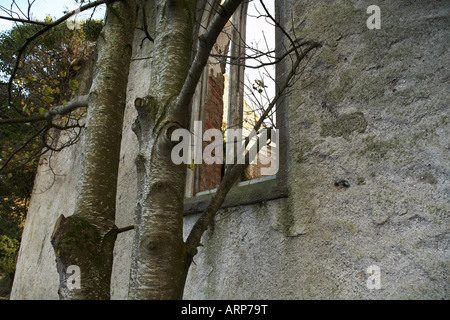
[24, 21]
[277, 24]
[141, 6]
[75, 103]
[206, 43]
[124, 229]
[21, 148]
[72, 140]
[235, 170]
[259, 55]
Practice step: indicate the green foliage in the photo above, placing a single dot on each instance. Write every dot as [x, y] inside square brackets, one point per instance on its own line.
[46, 77]
[8, 251]
[48, 69]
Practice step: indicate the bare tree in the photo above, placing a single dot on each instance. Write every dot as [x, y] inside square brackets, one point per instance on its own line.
[161, 258]
[87, 237]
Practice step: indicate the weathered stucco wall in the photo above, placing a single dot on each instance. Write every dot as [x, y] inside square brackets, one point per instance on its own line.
[368, 173]
[368, 168]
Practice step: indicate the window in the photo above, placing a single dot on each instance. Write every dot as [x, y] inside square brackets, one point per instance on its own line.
[236, 86]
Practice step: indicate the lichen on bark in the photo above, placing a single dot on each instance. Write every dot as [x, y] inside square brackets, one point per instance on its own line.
[158, 264]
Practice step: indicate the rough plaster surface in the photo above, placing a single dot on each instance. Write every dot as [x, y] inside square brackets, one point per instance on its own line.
[368, 168]
[368, 174]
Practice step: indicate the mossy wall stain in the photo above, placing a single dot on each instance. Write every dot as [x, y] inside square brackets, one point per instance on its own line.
[344, 125]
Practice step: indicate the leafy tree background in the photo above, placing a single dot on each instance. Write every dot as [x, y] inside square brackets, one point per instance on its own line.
[47, 77]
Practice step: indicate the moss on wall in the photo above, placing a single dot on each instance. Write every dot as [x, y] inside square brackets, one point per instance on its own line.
[344, 125]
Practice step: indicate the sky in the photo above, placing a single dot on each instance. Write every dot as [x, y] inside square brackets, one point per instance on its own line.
[55, 8]
[260, 34]
[41, 8]
[256, 27]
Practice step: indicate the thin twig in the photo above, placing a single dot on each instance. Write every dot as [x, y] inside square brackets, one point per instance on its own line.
[21, 148]
[235, 170]
[25, 21]
[124, 229]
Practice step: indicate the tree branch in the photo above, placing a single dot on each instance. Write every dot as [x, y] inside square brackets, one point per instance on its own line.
[21, 148]
[45, 29]
[235, 170]
[23, 120]
[124, 229]
[206, 43]
[256, 56]
[277, 24]
[75, 103]
[24, 21]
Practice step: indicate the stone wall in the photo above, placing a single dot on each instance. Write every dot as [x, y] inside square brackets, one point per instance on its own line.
[368, 173]
[368, 168]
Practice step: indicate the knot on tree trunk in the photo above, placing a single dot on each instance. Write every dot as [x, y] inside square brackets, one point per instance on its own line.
[88, 246]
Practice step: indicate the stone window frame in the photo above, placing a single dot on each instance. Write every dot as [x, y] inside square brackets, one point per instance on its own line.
[264, 188]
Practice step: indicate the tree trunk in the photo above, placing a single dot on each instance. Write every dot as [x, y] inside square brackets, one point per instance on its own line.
[160, 259]
[86, 239]
[158, 264]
